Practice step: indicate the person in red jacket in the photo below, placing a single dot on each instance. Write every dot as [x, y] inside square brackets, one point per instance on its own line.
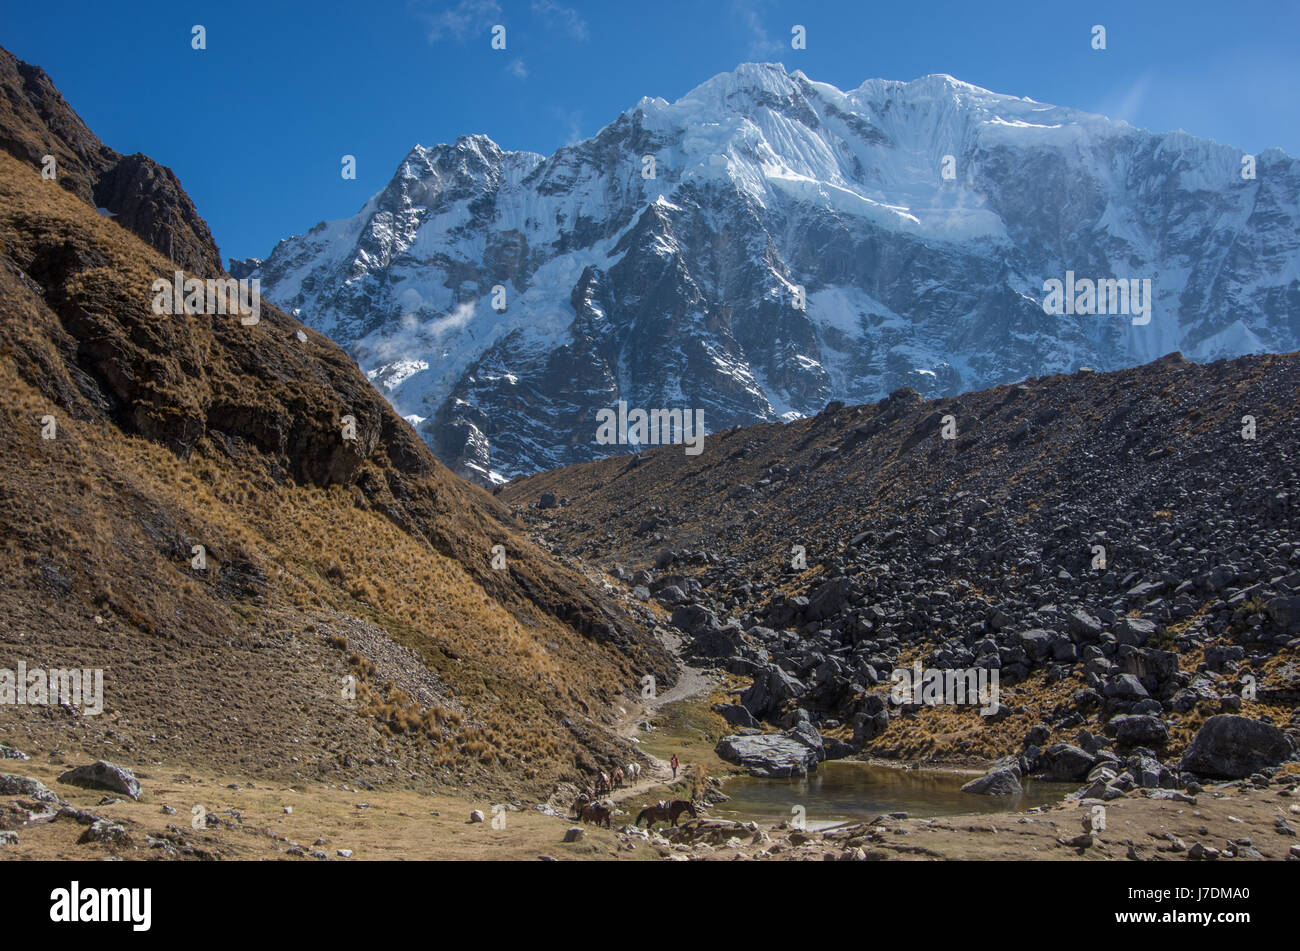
[673, 764]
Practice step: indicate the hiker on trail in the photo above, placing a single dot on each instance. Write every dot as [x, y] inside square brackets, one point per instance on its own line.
[673, 764]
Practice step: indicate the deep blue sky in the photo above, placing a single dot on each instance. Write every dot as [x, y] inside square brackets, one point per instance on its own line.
[255, 125]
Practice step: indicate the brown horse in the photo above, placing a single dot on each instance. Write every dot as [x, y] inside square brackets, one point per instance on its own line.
[616, 777]
[602, 783]
[666, 812]
[596, 812]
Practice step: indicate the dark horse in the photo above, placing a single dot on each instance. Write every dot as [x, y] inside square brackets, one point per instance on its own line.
[596, 812]
[666, 812]
[589, 810]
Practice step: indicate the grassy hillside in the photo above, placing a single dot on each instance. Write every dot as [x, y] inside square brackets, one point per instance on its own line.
[325, 558]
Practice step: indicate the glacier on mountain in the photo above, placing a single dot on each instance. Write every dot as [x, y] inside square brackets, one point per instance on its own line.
[771, 190]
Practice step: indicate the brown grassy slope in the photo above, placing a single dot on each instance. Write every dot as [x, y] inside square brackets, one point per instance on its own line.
[177, 431]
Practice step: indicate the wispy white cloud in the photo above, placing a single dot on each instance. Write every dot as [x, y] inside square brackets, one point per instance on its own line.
[457, 320]
[518, 69]
[571, 121]
[564, 18]
[464, 19]
[414, 334]
[1127, 104]
[761, 45]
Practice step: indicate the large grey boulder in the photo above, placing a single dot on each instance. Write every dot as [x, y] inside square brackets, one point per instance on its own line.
[711, 638]
[772, 686]
[1083, 626]
[998, 782]
[735, 714]
[104, 775]
[1134, 631]
[803, 730]
[871, 721]
[829, 600]
[1230, 747]
[1285, 613]
[770, 755]
[1153, 668]
[1067, 763]
[693, 618]
[1139, 730]
[1037, 644]
[1125, 687]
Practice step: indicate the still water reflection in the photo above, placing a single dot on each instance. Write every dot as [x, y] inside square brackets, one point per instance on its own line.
[845, 790]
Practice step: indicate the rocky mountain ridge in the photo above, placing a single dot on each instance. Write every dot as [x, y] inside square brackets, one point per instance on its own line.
[141, 195]
[768, 243]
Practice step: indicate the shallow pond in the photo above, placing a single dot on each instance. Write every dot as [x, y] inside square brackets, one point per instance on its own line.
[845, 790]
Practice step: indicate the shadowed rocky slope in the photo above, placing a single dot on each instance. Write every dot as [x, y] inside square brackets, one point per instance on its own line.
[1110, 543]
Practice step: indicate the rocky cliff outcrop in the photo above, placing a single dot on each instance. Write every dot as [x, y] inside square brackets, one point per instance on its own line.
[145, 197]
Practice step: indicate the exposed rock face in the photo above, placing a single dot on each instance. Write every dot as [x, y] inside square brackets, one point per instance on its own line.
[144, 197]
[148, 199]
[796, 245]
[1230, 747]
[35, 120]
[769, 755]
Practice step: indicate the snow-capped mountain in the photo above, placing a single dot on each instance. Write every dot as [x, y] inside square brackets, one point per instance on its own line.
[500, 299]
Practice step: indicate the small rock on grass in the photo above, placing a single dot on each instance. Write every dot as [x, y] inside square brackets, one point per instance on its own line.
[78, 815]
[103, 831]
